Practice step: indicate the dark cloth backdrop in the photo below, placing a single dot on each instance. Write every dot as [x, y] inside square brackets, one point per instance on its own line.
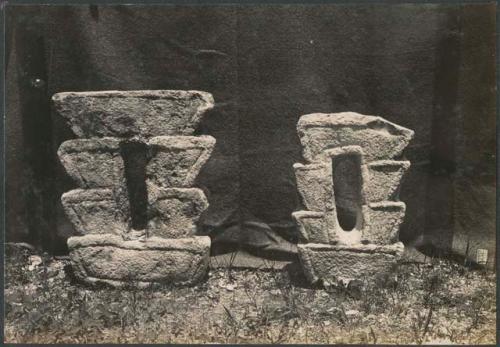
[426, 67]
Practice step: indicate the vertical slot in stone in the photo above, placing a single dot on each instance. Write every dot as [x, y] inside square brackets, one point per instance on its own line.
[347, 185]
[135, 157]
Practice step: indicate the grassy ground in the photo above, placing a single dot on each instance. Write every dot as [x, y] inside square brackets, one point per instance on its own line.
[432, 303]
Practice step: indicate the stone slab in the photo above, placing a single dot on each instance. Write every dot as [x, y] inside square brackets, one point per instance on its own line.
[93, 163]
[379, 138]
[173, 212]
[177, 160]
[111, 260]
[129, 113]
[95, 211]
[334, 263]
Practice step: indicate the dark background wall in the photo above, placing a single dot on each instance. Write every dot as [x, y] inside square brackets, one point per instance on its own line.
[430, 68]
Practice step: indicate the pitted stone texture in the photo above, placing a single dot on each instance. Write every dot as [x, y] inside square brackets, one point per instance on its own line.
[109, 259]
[385, 179]
[312, 226]
[93, 163]
[173, 212]
[128, 113]
[177, 160]
[379, 138]
[315, 185]
[383, 221]
[94, 211]
[334, 263]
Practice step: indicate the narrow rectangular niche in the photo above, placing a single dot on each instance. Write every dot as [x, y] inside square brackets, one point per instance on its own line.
[347, 185]
[135, 158]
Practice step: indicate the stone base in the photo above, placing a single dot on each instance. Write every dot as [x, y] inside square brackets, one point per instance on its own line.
[334, 263]
[109, 259]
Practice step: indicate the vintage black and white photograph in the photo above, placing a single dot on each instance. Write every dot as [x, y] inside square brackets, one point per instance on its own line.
[250, 173]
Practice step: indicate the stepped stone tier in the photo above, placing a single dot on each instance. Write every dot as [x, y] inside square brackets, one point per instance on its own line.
[157, 128]
[349, 187]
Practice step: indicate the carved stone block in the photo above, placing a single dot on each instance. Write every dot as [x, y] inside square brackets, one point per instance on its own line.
[349, 186]
[173, 212]
[111, 260]
[128, 113]
[94, 211]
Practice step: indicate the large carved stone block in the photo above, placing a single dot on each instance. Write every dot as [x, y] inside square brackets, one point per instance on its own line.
[385, 179]
[350, 187]
[383, 222]
[136, 164]
[111, 260]
[127, 113]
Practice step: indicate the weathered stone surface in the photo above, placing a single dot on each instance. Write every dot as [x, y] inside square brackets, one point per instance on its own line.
[173, 212]
[92, 163]
[312, 226]
[109, 259]
[383, 221]
[379, 138]
[385, 179]
[350, 187]
[333, 263]
[177, 160]
[128, 113]
[95, 211]
[315, 185]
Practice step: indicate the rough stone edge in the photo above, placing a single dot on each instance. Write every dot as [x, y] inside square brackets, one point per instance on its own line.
[92, 194]
[298, 216]
[59, 98]
[348, 119]
[104, 144]
[156, 193]
[402, 164]
[387, 204]
[194, 244]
